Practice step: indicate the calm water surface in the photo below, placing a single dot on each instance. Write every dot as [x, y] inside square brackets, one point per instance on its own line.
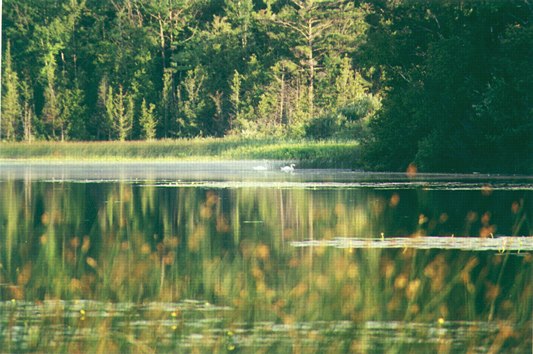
[219, 257]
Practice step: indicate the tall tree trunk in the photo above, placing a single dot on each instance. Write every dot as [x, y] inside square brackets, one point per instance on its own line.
[282, 116]
[311, 63]
[162, 40]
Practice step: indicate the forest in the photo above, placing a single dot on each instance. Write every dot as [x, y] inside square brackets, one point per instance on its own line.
[444, 85]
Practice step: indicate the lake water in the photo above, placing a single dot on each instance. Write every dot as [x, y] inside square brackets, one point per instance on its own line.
[219, 257]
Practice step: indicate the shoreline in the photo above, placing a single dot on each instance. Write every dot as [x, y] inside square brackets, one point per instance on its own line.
[217, 169]
[323, 154]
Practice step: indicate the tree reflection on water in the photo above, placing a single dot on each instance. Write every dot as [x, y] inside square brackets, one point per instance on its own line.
[129, 266]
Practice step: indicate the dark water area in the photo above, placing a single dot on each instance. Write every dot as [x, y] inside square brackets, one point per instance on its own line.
[219, 258]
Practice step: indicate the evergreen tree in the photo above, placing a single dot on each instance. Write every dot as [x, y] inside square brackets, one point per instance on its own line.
[441, 82]
[28, 115]
[11, 108]
[168, 105]
[104, 111]
[317, 27]
[120, 108]
[349, 85]
[51, 109]
[235, 99]
[454, 76]
[240, 14]
[72, 113]
[147, 121]
[191, 102]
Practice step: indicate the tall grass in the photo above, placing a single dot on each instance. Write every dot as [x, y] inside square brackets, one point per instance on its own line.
[340, 154]
[117, 267]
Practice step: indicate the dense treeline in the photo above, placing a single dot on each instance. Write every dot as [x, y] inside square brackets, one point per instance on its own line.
[458, 78]
[444, 85]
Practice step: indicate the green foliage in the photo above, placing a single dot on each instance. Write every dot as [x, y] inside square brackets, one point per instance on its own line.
[126, 122]
[28, 116]
[349, 85]
[117, 265]
[431, 81]
[328, 153]
[350, 121]
[51, 109]
[72, 113]
[168, 105]
[171, 53]
[325, 127]
[102, 116]
[11, 109]
[147, 121]
[235, 98]
[191, 102]
[453, 103]
[119, 111]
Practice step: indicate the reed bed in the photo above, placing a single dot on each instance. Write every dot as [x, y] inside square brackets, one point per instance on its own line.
[332, 153]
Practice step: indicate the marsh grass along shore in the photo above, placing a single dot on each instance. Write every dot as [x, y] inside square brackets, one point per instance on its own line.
[338, 154]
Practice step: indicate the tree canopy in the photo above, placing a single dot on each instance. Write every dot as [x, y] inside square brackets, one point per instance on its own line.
[444, 85]
[457, 77]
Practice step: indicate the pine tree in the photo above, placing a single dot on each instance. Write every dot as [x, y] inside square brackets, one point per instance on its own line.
[121, 113]
[349, 85]
[240, 13]
[28, 115]
[192, 101]
[11, 109]
[72, 111]
[109, 106]
[147, 121]
[235, 99]
[168, 103]
[51, 109]
[103, 116]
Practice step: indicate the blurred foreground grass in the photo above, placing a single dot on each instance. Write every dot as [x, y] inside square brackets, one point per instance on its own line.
[325, 154]
[121, 267]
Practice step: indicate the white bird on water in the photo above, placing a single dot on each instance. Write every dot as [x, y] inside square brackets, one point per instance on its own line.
[289, 168]
[262, 167]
